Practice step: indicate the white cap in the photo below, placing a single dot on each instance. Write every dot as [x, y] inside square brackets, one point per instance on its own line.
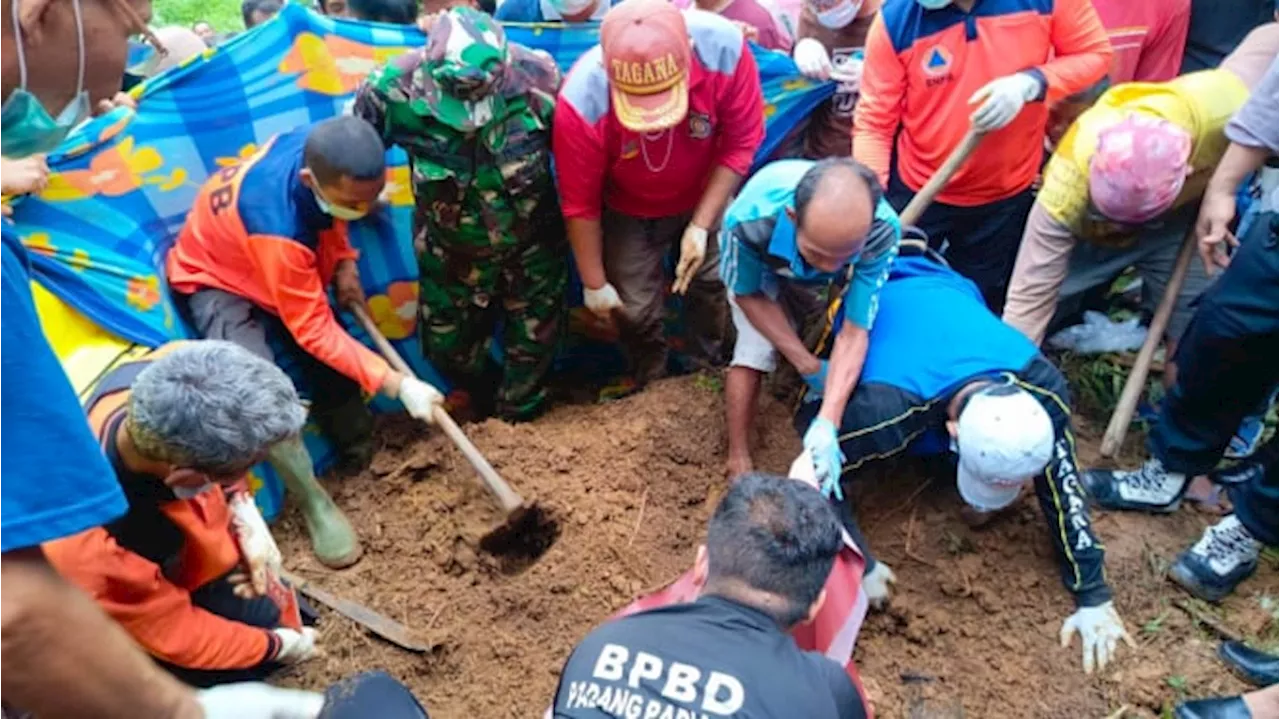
[1004, 437]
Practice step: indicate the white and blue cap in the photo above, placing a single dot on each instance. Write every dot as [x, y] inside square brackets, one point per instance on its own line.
[1004, 437]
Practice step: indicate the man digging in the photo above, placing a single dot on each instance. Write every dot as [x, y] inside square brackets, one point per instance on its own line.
[264, 241]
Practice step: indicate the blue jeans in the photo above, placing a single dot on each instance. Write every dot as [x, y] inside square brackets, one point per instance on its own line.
[1227, 358]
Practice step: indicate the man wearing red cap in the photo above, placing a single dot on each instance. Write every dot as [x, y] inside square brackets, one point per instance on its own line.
[1127, 178]
[654, 130]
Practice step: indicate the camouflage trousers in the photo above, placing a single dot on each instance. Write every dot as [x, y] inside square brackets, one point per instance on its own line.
[463, 298]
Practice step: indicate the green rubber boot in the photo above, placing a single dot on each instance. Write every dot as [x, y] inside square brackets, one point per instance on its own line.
[333, 540]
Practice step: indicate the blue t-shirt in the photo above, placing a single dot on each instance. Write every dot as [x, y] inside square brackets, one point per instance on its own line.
[540, 11]
[758, 244]
[935, 333]
[54, 480]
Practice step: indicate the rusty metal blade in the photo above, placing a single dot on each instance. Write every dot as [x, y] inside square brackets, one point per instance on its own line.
[379, 624]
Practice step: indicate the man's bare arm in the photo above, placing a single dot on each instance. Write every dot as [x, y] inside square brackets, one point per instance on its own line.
[60, 656]
[768, 317]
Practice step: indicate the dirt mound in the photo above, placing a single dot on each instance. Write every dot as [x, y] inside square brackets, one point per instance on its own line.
[629, 486]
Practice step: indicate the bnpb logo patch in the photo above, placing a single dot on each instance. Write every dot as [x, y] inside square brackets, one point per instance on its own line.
[936, 61]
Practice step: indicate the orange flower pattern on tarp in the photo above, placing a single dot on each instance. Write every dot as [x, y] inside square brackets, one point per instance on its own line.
[396, 312]
[333, 65]
[40, 243]
[245, 153]
[113, 172]
[80, 260]
[398, 191]
[143, 293]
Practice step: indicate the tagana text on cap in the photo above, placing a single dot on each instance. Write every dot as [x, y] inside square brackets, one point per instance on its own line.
[646, 51]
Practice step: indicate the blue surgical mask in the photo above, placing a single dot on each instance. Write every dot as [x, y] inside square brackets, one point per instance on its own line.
[933, 4]
[26, 127]
[839, 15]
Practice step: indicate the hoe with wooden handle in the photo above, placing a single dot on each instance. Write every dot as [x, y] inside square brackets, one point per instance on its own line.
[521, 516]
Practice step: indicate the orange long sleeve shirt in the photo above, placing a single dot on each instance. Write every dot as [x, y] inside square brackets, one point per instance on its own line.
[142, 568]
[256, 231]
[922, 66]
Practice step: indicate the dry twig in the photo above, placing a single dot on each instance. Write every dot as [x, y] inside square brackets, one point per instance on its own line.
[1211, 622]
[436, 616]
[639, 516]
[906, 546]
[1117, 714]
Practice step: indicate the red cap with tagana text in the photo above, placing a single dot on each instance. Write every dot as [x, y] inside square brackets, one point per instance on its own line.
[646, 49]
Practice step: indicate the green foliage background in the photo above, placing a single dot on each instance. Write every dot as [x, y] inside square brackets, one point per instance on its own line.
[224, 15]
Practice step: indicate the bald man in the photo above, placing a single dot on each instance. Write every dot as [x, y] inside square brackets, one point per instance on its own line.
[796, 227]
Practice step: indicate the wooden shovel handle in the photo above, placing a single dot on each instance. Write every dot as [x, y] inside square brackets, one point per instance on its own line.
[506, 496]
[914, 209]
[1118, 427]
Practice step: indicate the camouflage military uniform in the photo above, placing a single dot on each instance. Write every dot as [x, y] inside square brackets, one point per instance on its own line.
[474, 114]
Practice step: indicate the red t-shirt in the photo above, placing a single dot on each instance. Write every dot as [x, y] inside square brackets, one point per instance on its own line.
[1148, 37]
[600, 163]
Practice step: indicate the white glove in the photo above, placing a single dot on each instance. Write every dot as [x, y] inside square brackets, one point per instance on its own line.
[419, 398]
[848, 72]
[812, 59]
[1002, 99]
[257, 546]
[1100, 629]
[296, 646]
[803, 469]
[255, 700]
[602, 301]
[876, 584]
[693, 249]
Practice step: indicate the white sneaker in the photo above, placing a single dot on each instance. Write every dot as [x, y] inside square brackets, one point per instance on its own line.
[1225, 555]
[1149, 488]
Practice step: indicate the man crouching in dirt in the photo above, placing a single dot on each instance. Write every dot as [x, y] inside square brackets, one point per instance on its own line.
[770, 547]
[191, 571]
[940, 361]
[795, 227]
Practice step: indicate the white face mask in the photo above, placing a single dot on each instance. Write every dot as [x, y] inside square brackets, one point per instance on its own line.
[191, 492]
[839, 15]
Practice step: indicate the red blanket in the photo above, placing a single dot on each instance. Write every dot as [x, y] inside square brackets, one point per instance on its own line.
[833, 632]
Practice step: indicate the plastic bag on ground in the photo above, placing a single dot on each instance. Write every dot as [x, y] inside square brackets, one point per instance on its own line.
[1099, 334]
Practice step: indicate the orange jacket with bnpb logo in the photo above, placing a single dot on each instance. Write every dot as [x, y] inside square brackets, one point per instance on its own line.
[922, 66]
[256, 231]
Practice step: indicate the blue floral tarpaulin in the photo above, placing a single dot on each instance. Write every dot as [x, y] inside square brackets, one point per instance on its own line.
[122, 184]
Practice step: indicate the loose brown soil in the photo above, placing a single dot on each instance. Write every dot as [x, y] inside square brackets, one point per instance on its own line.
[973, 625]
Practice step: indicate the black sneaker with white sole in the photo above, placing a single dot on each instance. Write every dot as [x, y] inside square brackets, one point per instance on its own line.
[1149, 488]
[1225, 556]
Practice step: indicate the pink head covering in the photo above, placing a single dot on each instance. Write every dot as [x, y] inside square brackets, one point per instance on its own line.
[1139, 168]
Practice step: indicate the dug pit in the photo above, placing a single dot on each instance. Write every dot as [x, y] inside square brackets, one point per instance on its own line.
[973, 624]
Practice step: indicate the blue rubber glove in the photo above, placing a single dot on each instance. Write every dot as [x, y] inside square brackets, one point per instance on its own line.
[823, 443]
[818, 380]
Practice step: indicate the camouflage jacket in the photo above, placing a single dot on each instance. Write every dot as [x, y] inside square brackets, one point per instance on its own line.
[482, 192]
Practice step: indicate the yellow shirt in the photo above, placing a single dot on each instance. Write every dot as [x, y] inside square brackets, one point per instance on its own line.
[1200, 103]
